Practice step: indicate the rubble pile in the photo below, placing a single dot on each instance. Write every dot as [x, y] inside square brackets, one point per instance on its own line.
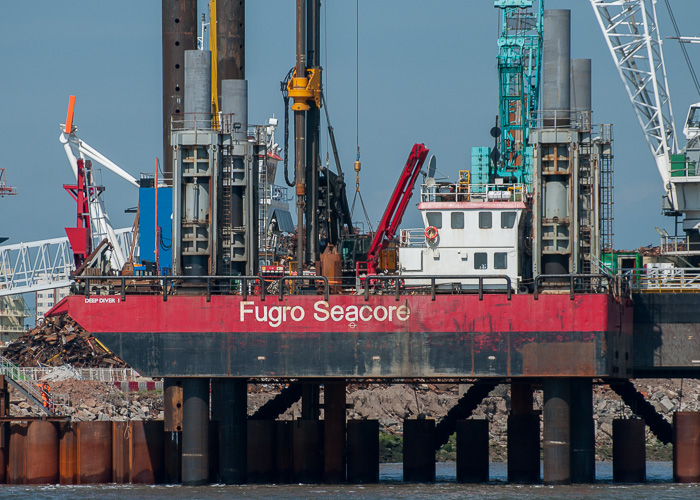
[58, 341]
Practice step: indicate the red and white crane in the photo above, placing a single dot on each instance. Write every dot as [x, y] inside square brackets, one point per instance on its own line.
[4, 188]
[395, 210]
[99, 226]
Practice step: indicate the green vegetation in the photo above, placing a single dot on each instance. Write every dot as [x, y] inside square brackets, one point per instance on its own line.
[390, 447]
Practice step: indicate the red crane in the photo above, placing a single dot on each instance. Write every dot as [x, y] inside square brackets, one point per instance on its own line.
[397, 206]
[4, 188]
[82, 193]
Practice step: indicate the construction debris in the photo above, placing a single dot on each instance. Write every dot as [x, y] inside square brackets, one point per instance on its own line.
[58, 341]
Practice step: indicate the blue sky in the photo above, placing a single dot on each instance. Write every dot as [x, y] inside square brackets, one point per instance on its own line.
[427, 73]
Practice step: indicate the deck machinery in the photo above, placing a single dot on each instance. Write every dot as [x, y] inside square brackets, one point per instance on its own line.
[500, 284]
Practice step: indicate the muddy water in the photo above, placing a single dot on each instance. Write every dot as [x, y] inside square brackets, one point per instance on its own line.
[658, 486]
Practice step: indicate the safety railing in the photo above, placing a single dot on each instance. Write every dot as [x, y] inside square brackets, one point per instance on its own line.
[680, 245]
[561, 119]
[462, 192]
[412, 238]
[56, 403]
[663, 279]
[387, 283]
[68, 372]
[298, 281]
[166, 286]
[574, 283]
[225, 123]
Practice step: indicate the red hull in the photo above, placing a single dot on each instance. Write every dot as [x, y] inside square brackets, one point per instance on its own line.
[553, 335]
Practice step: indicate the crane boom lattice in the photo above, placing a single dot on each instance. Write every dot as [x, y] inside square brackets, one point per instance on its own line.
[631, 31]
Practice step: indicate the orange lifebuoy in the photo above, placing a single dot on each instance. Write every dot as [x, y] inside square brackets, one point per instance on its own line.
[431, 233]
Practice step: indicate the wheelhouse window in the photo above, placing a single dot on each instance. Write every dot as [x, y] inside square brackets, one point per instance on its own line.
[457, 220]
[435, 219]
[481, 259]
[507, 220]
[500, 260]
[484, 220]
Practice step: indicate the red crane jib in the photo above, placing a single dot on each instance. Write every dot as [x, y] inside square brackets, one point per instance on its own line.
[79, 236]
[397, 206]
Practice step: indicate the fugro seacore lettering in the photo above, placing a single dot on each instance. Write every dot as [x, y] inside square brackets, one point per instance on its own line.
[275, 316]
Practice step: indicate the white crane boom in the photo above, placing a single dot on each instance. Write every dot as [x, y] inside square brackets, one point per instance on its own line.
[631, 31]
[101, 225]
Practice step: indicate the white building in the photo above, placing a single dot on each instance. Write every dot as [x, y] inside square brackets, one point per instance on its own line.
[46, 299]
[13, 312]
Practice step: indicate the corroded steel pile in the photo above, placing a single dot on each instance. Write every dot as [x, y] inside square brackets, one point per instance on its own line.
[58, 341]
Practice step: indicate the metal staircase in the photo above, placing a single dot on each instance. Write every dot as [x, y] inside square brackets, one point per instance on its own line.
[56, 404]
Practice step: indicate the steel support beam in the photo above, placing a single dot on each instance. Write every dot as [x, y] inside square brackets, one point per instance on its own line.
[557, 431]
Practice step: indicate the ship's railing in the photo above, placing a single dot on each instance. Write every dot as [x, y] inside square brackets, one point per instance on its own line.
[561, 119]
[37, 373]
[575, 283]
[412, 238]
[663, 279]
[275, 192]
[94, 286]
[462, 192]
[679, 245]
[225, 123]
[382, 283]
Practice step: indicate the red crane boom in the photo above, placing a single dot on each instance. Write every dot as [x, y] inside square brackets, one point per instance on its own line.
[397, 206]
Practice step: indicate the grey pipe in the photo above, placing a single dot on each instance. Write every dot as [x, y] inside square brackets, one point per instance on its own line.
[556, 73]
[197, 89]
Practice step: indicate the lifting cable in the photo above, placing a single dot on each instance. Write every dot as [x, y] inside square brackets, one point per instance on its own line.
[683, 48]
[358, 165]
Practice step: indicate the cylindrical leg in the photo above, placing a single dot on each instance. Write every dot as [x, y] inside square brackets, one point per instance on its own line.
[582, 431]
[172, 413]
[472, 451]
[363, 451]
[419, 451]
[42, 453]
[233, 431]
[284, 470]
[523, 448]
[94, 440]
[308, 443]
[686, 447]
[629, 451]
[556, 431]
[195, 431]
[262, 453]
[334, 431]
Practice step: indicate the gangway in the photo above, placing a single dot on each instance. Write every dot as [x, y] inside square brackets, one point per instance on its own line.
[44, 264]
